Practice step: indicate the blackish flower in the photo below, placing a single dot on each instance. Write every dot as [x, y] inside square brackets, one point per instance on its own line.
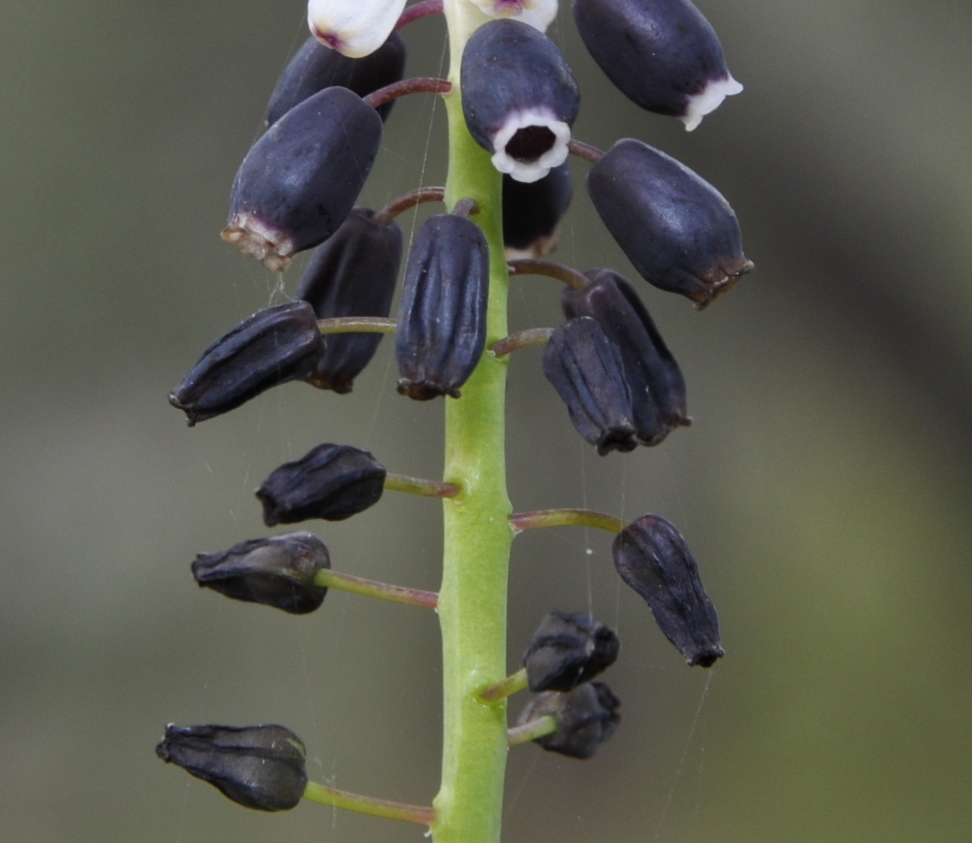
[532, 212]
[519, 98]
[277, 571]
[332, 482]
[662, 54]
[315, 67]
[352, 273]
[442, 317]
[300, 180]
[273, 346]
[654, 380]
[677, 230]
[585, 368]
[586, 717]
[652, 557]
[567, 650]
[354, 28]
[260, 767]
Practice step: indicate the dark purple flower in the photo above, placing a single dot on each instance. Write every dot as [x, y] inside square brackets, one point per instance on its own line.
[567, 650]
[586, 717]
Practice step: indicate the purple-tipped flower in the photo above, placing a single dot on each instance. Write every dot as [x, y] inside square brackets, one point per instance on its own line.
[273, 346]
[260, 767]
[532, 212]
[652, 557]
[654, 380]
[567, 650]
[662, 54]
[300, 180]
[353, 28]
[315, 67]
[586, 717]
[352, 273]
[585, 368]
[675, 227]
[277, 571]
[442, 317]
[519, 98]
[538, 13]
[332, 482]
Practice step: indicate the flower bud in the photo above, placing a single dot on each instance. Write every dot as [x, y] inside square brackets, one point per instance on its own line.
[332, 482]
[661, 54]
[538, 13]
[260, 767]
[651, 373]
[352, 273]
[442, 316]
[585, 368]
[519, 98]
[273, 346]
[586, 717]
[568, 650]
[677, 230]
[277, 571]
[315, 67]
[652, 557]
[532, 212]
[352, 27]
[300, 180]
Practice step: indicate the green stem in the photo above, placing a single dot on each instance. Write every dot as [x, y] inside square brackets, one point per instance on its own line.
[506, 688]
[545, 725]
[477, 534]
[421, 814]
[374, 588]
[420, 486]
[566, 518]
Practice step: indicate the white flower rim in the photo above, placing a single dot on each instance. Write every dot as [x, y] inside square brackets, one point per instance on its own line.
[708, 100]
[354, 28]
[530, 171]
[537, 13]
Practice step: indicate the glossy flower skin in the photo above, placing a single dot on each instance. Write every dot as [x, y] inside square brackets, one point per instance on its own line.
[585, 368]
[261, 767]
[277, 571]
[586, 717]
[662, 54]
[271, 347]
[676, 229]
[315, 67]
[532, 212]
[519, 98]
[352, 273]
[567, 650]
[652, 558]
[658, 397]
[353, 28]
[332, 482]
[300, 180]
[442, 316]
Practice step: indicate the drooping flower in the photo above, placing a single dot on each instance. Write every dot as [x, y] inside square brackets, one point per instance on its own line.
[354, 28]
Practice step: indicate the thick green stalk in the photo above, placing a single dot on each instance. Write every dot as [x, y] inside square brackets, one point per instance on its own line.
[477, 534]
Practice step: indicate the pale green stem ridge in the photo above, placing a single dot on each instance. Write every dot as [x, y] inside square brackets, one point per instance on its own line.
[373, 588]
[422, 814]
[477, 534]
[420, 486]
[565, 518]
[545, 725]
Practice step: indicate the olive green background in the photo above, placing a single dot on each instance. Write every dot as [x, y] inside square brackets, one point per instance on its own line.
[825, 486]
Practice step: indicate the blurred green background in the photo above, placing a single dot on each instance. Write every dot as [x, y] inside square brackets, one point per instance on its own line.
[825, 486]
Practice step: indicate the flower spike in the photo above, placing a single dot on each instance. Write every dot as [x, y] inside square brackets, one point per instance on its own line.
[354, 28]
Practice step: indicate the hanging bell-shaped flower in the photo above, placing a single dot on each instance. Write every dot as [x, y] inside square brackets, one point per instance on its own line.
[442, 316]
[586, 717]
[300, 180]
[654, 380]
[353, 28]
[585, 368]
[675, 227]
[352, 273]
[519, 98]
[661, 54]
[315, 67]
[567, 650]
[532, 212]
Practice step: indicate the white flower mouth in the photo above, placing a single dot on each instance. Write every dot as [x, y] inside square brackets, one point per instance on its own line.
[708, 100]
[538, 13]
[530, 143]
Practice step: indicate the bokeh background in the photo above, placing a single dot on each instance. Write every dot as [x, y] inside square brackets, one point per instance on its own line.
[825, 486]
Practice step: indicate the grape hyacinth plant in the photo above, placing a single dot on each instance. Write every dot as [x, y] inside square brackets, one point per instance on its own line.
[511, 101]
